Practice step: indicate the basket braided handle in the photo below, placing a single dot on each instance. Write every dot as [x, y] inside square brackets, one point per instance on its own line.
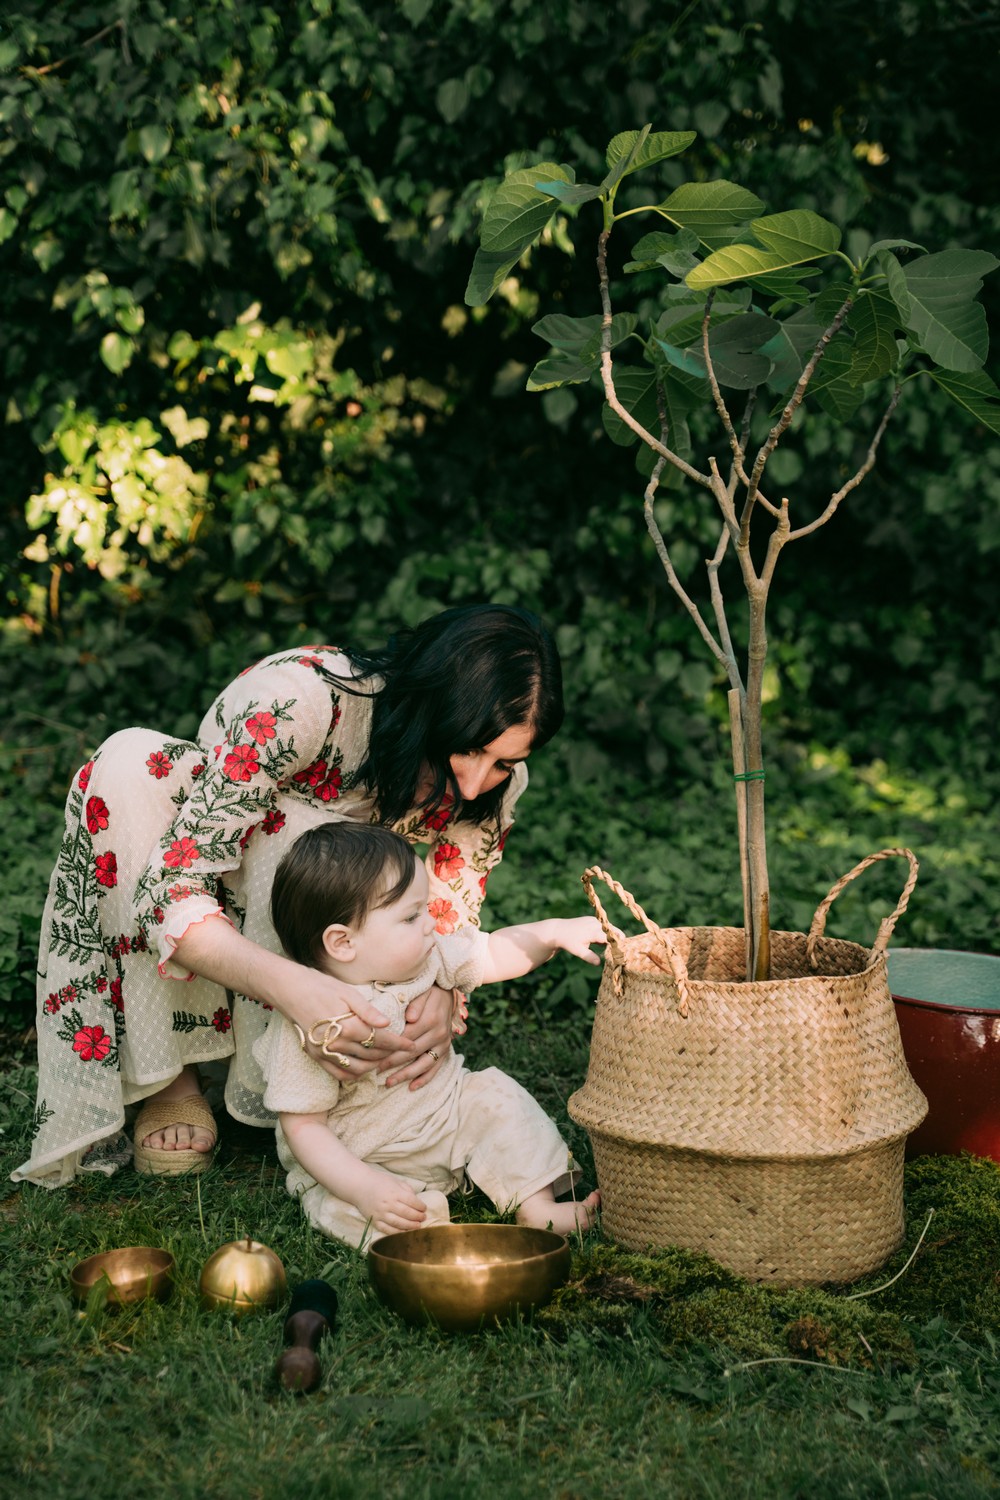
[672, 964]
[888, 923]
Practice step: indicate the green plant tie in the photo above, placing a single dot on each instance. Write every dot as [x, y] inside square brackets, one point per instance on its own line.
[748, 775]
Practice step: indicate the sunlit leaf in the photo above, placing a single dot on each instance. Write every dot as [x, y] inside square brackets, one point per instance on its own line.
[789, 240]
[656, 147]
[798, 235]
[714, 210]
[517, 211]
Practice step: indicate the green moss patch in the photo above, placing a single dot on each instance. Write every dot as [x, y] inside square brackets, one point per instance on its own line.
[689, 1299]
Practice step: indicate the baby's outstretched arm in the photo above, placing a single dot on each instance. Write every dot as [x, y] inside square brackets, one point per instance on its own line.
[386, 1200]
[513, 951]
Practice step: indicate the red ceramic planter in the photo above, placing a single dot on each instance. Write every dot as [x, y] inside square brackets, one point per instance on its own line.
[948, 1008]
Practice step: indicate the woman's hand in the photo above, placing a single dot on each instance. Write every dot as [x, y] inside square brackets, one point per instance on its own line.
[339, 1030]
[428, 1031]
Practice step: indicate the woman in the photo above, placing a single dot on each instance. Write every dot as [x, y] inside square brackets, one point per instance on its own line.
[170, 848]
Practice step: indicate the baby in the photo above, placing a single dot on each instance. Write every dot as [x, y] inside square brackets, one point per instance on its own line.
[368, 1160]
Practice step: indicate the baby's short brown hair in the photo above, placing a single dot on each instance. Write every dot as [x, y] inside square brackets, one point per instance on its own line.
[336, 872]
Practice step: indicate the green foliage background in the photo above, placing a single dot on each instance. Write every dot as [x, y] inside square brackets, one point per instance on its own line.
[244, 405]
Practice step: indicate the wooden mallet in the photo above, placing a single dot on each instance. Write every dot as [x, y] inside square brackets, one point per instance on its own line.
[312, 1312]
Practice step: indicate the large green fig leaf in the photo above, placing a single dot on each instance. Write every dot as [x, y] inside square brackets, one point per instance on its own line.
[949, 324]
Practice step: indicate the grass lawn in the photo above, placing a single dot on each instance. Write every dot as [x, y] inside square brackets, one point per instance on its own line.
[650, 1377]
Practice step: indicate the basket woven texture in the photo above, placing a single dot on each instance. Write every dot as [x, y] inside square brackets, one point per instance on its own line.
[761, 1122]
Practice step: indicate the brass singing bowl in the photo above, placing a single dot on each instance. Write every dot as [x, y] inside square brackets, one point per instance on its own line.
[131, 1275]
[467, 1276]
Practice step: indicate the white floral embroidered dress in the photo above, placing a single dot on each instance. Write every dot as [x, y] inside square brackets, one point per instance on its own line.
[162, 833]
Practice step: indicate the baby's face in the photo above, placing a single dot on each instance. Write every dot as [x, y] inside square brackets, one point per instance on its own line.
[394, 942]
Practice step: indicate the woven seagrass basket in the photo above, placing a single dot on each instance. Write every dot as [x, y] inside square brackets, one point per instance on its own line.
[761, 1122]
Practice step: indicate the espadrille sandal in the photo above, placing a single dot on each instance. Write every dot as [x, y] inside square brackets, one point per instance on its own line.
[157, 1114]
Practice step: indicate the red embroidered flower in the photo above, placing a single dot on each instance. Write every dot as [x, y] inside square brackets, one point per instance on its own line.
[92, 1043]
[335, 716]
[241, 764]
[52, 1004]
[311, 775]
[222, 1020]
[106, 866]
[325, 782]
[273, 821]
[439, 817]
[217, 751]
[197, 770]
[329, 790]
[157, 914]
[248, 835]
[181, 854]
[448, 861]
[179, 892]
[138, 944]
[503, 839]
[67, 994]
[261, 727]
[116, 996]
[83, 780]
[158, 765]
[444, 914]
[97, 814]
[102, 983]
[482, 884]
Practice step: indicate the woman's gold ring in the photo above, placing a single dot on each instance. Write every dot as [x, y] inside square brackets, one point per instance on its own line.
[431, 1053]
[369, 1040]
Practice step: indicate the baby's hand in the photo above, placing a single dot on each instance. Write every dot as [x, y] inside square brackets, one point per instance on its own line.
[389, 1203]
[576, 934]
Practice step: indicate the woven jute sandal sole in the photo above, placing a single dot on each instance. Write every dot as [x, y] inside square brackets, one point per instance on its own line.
[157, 1114]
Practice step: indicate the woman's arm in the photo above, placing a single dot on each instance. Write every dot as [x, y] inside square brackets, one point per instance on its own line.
[387, 1201]
[215, 950]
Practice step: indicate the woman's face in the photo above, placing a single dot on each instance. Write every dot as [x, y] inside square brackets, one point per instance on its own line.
[483, 767]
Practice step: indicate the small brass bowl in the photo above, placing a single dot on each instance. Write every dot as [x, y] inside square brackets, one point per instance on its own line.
[131, 1275]
[467, 1276]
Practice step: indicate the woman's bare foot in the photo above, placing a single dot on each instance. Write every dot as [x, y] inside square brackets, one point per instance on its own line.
[180, 1137]
[541, 1211]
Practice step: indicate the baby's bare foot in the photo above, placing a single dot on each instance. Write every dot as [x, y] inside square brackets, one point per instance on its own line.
[539, 1212]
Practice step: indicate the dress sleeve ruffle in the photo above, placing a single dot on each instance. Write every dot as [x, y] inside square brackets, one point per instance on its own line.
[187, 914]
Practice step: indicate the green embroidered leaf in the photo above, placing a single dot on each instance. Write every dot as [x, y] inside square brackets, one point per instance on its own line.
[714, 210]
[976, 392]
[949, 324]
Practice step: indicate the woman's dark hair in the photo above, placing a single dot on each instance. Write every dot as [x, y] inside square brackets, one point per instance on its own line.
[337, 872]
[455, 683]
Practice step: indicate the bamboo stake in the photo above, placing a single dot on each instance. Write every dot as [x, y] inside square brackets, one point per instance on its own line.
[739, 769]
